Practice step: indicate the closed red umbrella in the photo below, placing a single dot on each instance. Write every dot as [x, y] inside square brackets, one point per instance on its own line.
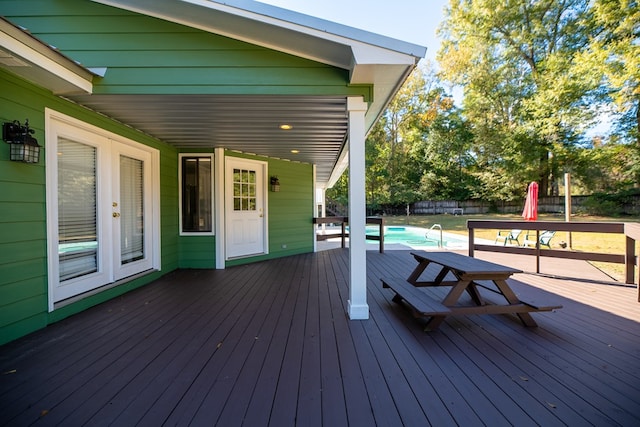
[530, 212]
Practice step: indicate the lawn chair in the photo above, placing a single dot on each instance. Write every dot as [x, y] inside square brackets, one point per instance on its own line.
[544, 239]
[508, 236]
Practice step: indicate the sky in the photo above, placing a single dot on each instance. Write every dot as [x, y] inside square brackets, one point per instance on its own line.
[414, 21]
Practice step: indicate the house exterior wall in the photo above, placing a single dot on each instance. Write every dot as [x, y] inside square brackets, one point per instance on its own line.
[23, 238]
[142, 55]
[23, 230]
[145, 55]
[290, 211]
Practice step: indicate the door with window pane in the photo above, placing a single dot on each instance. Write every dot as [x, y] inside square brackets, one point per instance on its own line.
[104, 215]
[245, 207]
[130, 210]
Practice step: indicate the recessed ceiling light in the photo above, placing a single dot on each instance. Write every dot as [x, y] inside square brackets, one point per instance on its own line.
[286, 126]
[295, 151]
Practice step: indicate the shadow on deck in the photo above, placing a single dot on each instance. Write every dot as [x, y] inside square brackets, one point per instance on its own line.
[270, 344]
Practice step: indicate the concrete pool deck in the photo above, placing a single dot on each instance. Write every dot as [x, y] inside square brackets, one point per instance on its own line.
[372, 245]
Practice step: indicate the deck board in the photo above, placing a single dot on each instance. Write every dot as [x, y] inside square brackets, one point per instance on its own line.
[271, 344]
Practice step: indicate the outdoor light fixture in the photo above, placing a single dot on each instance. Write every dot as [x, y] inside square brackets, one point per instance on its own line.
[275, 184]
[24, 147]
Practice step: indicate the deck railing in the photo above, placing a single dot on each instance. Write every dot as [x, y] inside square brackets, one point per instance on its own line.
[343, 221]
[631, 231]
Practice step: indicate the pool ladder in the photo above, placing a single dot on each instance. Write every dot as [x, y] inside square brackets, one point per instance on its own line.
[434, 227]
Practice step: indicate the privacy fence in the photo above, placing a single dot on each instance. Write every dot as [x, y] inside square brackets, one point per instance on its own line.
[630, 205]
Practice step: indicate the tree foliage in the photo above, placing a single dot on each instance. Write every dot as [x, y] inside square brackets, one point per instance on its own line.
[537, 75]
[514, 59]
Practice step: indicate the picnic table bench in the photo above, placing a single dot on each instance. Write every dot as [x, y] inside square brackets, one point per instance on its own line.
[462, 274]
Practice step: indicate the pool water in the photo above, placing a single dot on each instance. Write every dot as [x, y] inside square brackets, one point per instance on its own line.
[416, 237]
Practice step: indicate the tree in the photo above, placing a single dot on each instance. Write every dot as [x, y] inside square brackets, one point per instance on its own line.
[614, 50]
[445, 154]
[514, 59]
[394, 173]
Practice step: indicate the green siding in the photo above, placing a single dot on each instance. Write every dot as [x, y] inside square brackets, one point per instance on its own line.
[197, 252]
[290, 211]
[290, 218]
[169, 209]
[23, 238]
[142, 55]
[146, 55]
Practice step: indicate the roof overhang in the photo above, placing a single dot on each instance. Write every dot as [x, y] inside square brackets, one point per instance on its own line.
[37, 62]
[371, 59]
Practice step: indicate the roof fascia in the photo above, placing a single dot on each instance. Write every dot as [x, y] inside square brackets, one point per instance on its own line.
[32, 59]
[272, 27]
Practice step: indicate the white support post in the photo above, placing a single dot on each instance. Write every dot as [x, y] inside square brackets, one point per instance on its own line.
[358, 307]
[315, 209]
[218, 184]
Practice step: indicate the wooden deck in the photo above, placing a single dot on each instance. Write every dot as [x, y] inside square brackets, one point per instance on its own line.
[270, 344]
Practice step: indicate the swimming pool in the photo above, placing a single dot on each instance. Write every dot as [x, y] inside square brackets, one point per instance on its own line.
[416, 238]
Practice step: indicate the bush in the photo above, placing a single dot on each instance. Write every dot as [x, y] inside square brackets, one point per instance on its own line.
[608, 204]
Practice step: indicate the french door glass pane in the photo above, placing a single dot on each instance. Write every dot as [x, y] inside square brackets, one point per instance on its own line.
[131, 210]
[77, 220]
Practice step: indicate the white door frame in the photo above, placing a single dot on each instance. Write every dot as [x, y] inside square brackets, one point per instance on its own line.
[61, 125]
[260, 212]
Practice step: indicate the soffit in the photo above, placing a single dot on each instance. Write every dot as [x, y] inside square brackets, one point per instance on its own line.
[248, 124]
[370, 58]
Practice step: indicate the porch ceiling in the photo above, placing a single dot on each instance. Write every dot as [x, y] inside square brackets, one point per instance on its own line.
[250, 124]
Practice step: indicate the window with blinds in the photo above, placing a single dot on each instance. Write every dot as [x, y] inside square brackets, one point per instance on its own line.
[77, 220]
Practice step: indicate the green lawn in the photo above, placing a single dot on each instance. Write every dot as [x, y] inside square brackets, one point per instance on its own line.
[588, 242]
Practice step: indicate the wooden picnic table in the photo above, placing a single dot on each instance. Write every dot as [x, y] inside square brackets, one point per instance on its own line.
[462, 274]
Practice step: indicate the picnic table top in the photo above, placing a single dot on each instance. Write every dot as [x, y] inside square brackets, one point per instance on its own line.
[463, 263]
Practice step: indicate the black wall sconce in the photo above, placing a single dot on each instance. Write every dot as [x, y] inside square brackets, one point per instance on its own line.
[24, 147]
[275, 184]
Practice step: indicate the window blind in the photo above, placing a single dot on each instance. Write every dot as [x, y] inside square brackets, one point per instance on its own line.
[131, 210]
[77, 220]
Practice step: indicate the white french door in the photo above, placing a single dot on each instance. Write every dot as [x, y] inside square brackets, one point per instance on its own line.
[102, 208]
[131, 210]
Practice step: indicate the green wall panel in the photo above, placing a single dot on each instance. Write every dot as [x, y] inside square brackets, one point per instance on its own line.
[146, 55]
[290, 211]
[23, 239]
[17, 272]
[11, 312]
[142, 55]
[23, 290]
[197, 252]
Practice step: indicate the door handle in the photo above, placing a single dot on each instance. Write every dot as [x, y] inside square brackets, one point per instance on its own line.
[116, 215]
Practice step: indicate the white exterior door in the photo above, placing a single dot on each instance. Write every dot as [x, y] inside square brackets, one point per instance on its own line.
[131, 210]
[245, 214]
[102, 209]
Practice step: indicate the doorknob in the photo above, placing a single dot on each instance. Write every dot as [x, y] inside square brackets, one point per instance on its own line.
[116, 215]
